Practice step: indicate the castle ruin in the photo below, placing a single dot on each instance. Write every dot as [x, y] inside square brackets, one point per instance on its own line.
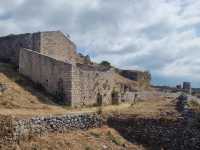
[51, 60]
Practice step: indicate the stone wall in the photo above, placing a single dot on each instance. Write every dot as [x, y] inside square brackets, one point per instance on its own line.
[51, 43]
[6, 134]
[56, 44]
[91, 86]
[87, 84]
[10, 45]
[54, 75]
[142, 77]
[14, 130]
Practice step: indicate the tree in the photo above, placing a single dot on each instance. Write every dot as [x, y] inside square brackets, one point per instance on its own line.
[105, 64]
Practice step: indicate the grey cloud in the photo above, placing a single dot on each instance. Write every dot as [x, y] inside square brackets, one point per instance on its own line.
[148, 34]
[158, 31]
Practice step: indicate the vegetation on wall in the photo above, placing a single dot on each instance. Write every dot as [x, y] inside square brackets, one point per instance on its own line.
[106, 64]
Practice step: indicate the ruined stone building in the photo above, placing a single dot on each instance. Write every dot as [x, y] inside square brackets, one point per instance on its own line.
[187, 87]
[51, 60]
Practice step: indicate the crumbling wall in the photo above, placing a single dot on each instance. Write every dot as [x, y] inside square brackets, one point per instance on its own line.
[52, 74]
[11, 45]
[142, 77]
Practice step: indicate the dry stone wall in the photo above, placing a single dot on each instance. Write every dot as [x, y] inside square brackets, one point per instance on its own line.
[6, 128]
[14, 130]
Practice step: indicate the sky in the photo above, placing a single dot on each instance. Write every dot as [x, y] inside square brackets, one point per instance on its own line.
[162, 36]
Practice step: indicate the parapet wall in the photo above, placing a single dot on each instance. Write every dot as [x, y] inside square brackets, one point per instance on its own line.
[14, 130]
[54, 75]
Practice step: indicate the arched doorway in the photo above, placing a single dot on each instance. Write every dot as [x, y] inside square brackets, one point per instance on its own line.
[60, 92]
[99, 99]
[115, 98]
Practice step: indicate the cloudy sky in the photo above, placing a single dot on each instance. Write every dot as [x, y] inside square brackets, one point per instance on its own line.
[162, 36]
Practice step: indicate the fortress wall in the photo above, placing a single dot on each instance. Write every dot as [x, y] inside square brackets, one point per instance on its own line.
[51, 43]
[142, 77]
[90, 85]
[10, 45]
[52, 74]
[56, 44]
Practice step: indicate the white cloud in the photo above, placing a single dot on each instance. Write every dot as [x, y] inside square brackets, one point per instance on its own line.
[158, 35]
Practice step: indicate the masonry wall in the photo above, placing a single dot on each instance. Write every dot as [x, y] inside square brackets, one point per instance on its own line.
[56, 44]
[52, 43]
[142, 77]
[53, 75]
[10, 46]
[91, 86]
[15, 130]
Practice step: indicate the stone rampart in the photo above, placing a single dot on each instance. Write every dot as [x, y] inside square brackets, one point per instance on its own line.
[52, 74]
[51, 43]
[10, 45]
[75, 84]
[91, 86]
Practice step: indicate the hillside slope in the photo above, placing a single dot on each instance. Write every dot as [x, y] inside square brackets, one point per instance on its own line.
[19, 93]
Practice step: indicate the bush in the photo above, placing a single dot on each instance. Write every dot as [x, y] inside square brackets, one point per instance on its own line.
[105, 64]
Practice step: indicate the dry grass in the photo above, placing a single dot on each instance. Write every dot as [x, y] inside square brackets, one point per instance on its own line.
[21, 97]
[105, 137]
[194, 105]
[20, 92]
[152, 109]
[79, 140]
